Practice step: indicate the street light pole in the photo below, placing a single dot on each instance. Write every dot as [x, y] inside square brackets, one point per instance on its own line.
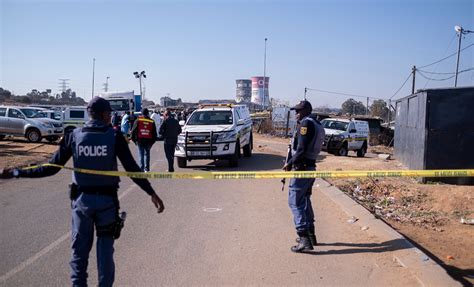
[93, 72]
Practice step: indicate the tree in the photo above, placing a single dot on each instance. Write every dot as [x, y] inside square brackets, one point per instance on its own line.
[379, 109]
[353, 107]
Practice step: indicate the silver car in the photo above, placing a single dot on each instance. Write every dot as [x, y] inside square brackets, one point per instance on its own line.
[27, 122]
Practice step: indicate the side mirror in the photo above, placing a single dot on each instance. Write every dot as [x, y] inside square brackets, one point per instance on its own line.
[240, 122]
[353, 131]
[181, 123]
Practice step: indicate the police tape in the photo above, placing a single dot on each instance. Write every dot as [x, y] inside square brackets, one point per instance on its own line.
[272, 174]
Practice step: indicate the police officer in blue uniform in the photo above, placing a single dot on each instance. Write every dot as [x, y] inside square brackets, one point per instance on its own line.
[94, 197]
[305, 148]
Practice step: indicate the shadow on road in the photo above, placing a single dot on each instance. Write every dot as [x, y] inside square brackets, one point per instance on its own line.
[258, 162]
[391, 245]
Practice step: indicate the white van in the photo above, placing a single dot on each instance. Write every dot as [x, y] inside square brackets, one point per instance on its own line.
[218, 131]
[73, 117]
[343, 135]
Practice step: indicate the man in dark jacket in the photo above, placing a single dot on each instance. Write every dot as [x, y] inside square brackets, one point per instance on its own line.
[169, 130]
[144, 135]
[94, 198]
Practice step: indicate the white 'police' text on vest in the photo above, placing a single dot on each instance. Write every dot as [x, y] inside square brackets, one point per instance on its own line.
[96, 150]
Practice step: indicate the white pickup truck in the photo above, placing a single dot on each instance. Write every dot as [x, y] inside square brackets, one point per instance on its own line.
[216, 132]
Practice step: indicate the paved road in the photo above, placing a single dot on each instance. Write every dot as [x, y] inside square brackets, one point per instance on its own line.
[212, 233]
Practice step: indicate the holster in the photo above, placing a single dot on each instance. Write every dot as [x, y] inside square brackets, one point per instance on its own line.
[73, 191]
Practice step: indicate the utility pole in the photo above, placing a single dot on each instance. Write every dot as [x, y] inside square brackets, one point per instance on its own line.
[461, 31]
[93, 71]
[106, 85]
[305, 91]
[413, 70]
[367, 112]
[389, 111]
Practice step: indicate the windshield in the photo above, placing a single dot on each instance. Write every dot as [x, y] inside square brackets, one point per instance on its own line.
[334, 125]
[119, 105]
[211, 118]
[31, 113]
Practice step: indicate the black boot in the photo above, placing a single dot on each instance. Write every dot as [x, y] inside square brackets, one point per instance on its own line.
[312, 237]
[304, 243]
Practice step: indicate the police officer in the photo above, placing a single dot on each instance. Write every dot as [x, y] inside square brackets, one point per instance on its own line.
[94, 197]
[169, 130]
[305, 147]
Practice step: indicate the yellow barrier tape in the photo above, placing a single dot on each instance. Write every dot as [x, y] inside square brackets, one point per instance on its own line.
[274, 174]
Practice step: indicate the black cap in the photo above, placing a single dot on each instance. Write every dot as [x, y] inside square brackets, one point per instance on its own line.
[303, 105]
[99, 105]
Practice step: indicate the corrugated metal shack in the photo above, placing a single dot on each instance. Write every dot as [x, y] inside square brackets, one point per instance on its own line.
[434, 129]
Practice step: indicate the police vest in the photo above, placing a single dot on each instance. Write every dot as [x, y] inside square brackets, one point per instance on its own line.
[314, 146]
[93, 147]
[145, 128]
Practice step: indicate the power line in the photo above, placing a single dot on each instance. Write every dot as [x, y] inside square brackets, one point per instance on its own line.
[447, 56]
[447, 73]
[409, 75]
[432, 79]
[343, 94]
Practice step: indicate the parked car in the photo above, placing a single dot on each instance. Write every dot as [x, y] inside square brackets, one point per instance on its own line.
[216, 132]
[344, 135]
[24, 121]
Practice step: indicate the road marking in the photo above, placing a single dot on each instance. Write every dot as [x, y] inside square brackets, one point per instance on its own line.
[20, 267]
[211, 209]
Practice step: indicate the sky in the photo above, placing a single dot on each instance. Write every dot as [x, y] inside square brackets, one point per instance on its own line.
[197, 49]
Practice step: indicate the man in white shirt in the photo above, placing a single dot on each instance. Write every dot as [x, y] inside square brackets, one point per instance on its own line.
[157, 118]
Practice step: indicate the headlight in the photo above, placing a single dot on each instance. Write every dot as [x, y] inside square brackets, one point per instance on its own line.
[230, 136]
[338, 137]
[47, 125]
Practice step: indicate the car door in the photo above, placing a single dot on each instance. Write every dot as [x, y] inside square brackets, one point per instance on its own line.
[3, 120]
[352, 143]
[16, 121]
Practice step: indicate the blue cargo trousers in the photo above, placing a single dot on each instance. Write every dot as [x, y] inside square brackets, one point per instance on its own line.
[89, 210]
[299, 201]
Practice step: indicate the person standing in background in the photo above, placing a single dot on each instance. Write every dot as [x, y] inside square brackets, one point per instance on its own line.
[157, 118]
[170, 129]
[144, 136]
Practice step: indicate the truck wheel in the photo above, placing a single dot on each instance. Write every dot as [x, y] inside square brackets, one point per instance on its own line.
[234, 159]
[342, 151]
[361, 152]
[33, 135]
[182, 163]
[247, 150]
[2, 137]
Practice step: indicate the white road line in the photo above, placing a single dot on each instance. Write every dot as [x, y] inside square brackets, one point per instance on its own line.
[20, 267]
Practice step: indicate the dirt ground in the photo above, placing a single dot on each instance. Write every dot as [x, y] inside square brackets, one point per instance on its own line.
[428, 214]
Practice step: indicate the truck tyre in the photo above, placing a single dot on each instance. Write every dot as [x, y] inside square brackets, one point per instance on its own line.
[182, 163]
[234, 159]
[33, 135]
[2, 137]
[361, 152]
[248, 148]
[342, 151]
